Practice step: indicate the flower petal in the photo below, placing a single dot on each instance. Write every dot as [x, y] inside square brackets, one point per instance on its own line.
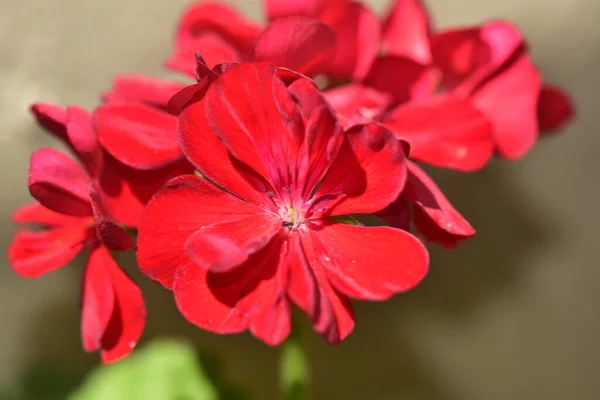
[82, 137]
[370, 169]
[35, 213]
[510, 101]
[357, 104]
[109, 232]
[59, 183]
[406, 31]
[128, 318]
[142, 89]
[137, 135]
[555, 108]
[301, 44]
[277, 9]
[223, 246]
[433, 215]
[218, 31]
[262, 138]
[52, 117]
[389, 260]
[182, 207]
[34, 253]
[459, 137]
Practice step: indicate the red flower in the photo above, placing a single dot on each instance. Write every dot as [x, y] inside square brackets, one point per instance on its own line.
[78, 208]
[259, 230]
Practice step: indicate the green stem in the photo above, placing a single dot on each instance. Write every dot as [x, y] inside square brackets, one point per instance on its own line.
[293, 368]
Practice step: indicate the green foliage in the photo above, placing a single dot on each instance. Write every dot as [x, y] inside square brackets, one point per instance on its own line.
[360, 220]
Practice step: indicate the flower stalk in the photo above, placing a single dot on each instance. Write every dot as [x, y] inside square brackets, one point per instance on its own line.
[294, 375]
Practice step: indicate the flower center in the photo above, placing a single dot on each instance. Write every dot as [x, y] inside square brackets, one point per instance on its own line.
[292, 217]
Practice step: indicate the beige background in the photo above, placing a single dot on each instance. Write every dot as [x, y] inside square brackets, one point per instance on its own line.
[513, 314]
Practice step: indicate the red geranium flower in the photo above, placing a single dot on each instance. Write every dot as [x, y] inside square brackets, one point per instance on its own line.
[258, 230]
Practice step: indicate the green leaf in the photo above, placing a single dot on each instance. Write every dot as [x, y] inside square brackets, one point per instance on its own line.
[162, 370]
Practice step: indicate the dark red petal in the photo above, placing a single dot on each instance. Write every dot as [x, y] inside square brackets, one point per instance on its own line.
[109, 232]
[358, 32]
[128, 317]
[34, 253]
[223, 246]
[143, 89]
[277, 9]
[406, 31]
[182, 207]
[468, 57]
[309, 287]
[401, 78]
[510, 101]
[218, 31]
[59, 183]
[458, 137]
[370, 169]
[137, 135]
[387, 261]
[263, 138]
[397, 214]
[51, 117]
[98, 298]
[82, 137]
[301, 44]
[433, 215]
[555, 108]
[35, 213]
[187, 95]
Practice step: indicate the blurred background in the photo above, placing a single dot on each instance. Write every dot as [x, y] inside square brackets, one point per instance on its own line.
[514, 313]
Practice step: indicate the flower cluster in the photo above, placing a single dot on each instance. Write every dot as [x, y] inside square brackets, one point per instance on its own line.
[255, 189]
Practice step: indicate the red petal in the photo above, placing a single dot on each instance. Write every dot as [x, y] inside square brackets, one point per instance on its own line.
[59, 183]
[109, 233]
[401, 78]
[358, 32]
[82, 137]
[188, 95]
[406, 31]
[510, 101]
[35, 213]
[34, 253]
[555, 108]
[182, 207]
[128, 318]
[224, 246]
[370, 169]
[434, 216]
[218, 31]
[301, 44]
[263, 138]
[143, 89]
[277, 9]
[387, 262]
[139, 136]
[467, 57]
[397, 214]
[357, 103]
[459, 136]
[309, 287]
[98, 298]
[51, 117]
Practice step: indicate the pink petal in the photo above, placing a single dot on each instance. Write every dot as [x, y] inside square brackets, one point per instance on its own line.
[59, 183]
[224, 246]
[34, 253]
[301, 44]
[358, 32]
[181, 208]
[35, 213]
[218, 31]
[510, 101]
[227, 123]
[82, 137]
[98, 299]
[370, 169]
[406, 31]
[128, 317]
[52, 117]
[109, 232]
[434, 216]
[401, 78]
[142, 89]
[387, 262]
[468, 57]
[555, 108]
[309, 287]
[458, 137]
[277, 9]
[137, 135]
